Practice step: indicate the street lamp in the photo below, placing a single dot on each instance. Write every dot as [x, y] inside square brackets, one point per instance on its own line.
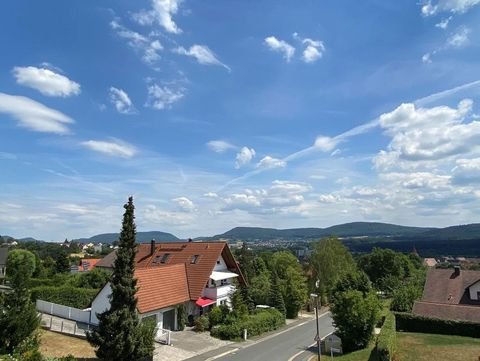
[317, 308]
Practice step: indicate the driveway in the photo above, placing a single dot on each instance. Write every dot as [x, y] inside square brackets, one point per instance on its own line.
[187, 344]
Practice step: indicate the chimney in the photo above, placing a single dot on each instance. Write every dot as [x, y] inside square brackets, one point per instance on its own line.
[152, 246]
[456, 271]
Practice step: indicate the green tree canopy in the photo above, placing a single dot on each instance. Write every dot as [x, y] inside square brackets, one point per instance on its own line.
[329, 262]
[18, 316]
[355, 309]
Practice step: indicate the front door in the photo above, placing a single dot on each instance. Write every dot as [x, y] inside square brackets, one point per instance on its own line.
[169, 320]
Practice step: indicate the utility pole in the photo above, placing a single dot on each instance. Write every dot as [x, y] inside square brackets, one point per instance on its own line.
[317, 337]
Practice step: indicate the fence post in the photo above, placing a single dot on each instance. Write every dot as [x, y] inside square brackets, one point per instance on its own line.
[61, 327]
[69, 313]
[51, 318]
[51, 308]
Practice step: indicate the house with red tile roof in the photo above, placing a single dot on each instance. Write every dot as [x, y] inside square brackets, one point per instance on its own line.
[87, 264]
[450, 294]
[199, 275]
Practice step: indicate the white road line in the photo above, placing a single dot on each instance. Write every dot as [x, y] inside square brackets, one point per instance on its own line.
[222, 354]
[299, 353]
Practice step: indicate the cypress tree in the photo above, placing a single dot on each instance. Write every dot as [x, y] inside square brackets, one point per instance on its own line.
[120, 336]
[276, 298]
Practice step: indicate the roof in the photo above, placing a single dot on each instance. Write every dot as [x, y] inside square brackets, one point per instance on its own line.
[161, 287]
[443, 286]
[198, 273]
[87, 264]
[447, 311]
[218, 275]
[3, 255]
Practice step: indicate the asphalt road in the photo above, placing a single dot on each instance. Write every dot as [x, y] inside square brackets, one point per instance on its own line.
[290, 345]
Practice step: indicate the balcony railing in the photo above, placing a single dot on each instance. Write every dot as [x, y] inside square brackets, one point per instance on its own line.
[219, 292]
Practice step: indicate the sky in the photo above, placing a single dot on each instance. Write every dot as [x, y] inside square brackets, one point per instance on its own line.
[216, 114]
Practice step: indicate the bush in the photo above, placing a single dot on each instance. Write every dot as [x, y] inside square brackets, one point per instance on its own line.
[181, 317]
[215, 317]
[386, 341]
[408, 322]
[201, 324]
[255, 324]
[67, 296]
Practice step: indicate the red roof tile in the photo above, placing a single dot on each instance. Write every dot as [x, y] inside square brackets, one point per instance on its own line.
[161, 287]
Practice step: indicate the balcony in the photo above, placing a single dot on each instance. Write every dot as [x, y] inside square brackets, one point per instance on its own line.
[219, 292]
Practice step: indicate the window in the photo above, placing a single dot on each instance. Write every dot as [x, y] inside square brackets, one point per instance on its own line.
[162, 258]
[194, 259]
[218, 261]
[224, 282]
[478, 295]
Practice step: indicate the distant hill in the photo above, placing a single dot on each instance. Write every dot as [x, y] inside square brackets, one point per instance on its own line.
[461, 232]
[142, 237]
[354, 229]
[26, 239]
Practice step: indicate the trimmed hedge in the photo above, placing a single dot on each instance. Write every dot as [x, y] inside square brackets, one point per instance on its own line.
[201, 324]
[408, 322]
[386, 341]
[256, 324]
[67, 296]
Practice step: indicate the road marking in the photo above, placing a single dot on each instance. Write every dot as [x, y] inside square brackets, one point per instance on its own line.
[299, 353]
[222, 354]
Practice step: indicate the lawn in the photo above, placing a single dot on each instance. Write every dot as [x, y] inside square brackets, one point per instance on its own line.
[53, 344]
[426, 347]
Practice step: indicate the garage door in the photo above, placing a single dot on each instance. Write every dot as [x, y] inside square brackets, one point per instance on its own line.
[169, 320]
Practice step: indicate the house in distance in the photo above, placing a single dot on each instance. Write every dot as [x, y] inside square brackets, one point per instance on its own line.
[199, 275]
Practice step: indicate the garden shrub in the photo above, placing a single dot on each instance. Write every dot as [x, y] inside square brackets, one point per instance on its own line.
[386, 341]
[181, 317]
[408, 322]
[67, 296]
[201, 324]
[255, 324]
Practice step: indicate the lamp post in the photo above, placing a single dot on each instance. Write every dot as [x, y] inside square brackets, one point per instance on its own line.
[317, 303]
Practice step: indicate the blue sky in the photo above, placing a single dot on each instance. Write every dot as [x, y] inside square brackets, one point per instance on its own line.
[216, 114]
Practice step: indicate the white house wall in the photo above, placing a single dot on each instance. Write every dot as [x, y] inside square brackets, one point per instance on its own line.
[101, 303]
[474, 289]
[220, 264]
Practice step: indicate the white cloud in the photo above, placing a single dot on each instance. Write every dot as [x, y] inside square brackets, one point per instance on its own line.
[162, 97]
[244, 157]
[162, 12]
[443, 24]
[325, 144]
[220, 146]
[313, 51]
[113, 147]
[46, 81]
[33, 115]
[184, 204]
[453, 6]
[121, 101]
[426, 58]
[279, 186]
[427, 134]
[146, 45]
[202, 54]
[270, 162]
[459, 38]
[280, 46]
[211, 195]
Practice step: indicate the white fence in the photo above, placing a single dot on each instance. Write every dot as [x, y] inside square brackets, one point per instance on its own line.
[162, 335]
[69, 313]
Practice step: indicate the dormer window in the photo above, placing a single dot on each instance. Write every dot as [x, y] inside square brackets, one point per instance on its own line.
[162, 258]
[194, 259]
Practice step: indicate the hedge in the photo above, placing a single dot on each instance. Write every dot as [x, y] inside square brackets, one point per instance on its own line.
[66, 295]
[256, 324]
[386, 341]
[408, 322]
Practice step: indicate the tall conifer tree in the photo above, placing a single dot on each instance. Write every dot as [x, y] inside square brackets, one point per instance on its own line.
[120, 336]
